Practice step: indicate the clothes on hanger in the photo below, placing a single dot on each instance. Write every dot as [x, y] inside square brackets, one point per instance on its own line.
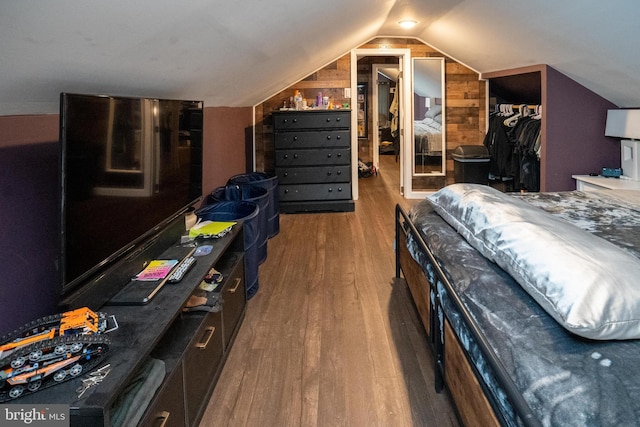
[513, 142]
[393, 109]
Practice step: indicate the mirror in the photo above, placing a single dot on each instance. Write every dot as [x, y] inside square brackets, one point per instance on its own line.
[428, 109]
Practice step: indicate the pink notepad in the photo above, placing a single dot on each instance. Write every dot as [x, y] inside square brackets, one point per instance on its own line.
[157, 269]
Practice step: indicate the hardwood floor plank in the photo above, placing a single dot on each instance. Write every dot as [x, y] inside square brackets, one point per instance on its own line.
[331, 338]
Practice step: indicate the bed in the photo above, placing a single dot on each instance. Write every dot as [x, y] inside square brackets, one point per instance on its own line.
[541, 331]
[428, 133]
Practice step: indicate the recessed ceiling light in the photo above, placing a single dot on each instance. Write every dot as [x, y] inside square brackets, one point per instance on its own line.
[407, 23]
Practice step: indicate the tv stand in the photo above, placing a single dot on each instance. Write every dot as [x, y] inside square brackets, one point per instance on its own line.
[192, 345]
[140, 292]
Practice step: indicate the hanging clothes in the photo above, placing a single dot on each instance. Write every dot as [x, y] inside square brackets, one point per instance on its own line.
[499, 146]
[526, 156]
[393, 109]
[513, 142]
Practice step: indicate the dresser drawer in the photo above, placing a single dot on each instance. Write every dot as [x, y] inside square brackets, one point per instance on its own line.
[313, 139]
[313, 157]
[234, 299]
[314, 175]
[303, 192]
[316, 119]
[168, 408]
[201, 363]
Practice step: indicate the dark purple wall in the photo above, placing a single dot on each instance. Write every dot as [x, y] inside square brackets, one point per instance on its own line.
[575, 122]
[28, 213]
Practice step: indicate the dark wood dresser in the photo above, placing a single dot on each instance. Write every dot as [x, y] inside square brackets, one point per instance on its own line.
[313, 160]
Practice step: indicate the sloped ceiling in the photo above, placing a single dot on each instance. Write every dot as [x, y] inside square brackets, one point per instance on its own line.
[238, 53]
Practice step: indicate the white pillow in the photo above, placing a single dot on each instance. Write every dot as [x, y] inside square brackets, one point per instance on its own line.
[590, 286]
[433, 112]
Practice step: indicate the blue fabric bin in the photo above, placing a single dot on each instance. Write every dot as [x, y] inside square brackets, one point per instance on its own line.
[269, 183]
[250, 193]
[247, 212]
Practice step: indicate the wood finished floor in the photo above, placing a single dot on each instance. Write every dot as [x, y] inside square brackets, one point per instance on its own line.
[331, 338]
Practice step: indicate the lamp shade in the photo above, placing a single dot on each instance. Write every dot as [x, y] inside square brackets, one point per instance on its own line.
[623, 123]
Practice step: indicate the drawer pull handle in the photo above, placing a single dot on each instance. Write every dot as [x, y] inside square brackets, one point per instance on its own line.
[236, 283]
[328, 119]
[295, 120]
[337, 119]
[339, 189]
[164, 417]
[339, 172]
[295, 138]
[339, 154]
[286, 191]
[329, 173]
[203, 345]
[295, 156]
[285, 121]
[330, 189]
[286, 156]
[286, 174]
[328, 137]
[329, 155]
[338, 137]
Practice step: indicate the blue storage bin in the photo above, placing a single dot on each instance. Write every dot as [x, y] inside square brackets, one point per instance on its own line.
[247, 212]
[250, 193]
[269, 183]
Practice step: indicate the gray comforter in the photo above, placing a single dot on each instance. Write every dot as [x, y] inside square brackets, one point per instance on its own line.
[564, 379]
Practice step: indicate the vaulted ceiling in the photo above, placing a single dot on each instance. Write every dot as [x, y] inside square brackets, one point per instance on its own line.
[238, 53]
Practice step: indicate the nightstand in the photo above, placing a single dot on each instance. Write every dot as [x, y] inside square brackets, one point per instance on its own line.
[588, 183]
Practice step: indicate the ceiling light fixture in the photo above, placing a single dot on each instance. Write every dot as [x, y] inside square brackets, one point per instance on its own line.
[407, 23]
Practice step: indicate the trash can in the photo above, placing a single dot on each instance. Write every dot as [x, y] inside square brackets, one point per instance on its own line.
[250, 193]
[269, 183]
[471, 164]
[247, 212]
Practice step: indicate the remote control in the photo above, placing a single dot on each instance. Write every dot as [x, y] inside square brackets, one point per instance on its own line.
[182, 269]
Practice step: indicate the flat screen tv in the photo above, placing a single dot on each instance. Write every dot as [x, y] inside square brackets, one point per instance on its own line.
[128, 167]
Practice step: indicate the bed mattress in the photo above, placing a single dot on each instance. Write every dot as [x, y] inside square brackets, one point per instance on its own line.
[564, 379]
[428, 136]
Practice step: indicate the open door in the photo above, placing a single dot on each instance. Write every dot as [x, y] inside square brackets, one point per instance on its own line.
[384, 78]
[403, 99]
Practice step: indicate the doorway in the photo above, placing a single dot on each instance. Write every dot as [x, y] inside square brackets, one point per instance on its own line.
[403, 57]
[384, 78]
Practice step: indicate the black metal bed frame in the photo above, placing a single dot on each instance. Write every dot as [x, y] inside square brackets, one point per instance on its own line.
[522, 410]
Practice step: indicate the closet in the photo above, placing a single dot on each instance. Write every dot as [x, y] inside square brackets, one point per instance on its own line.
[572, 121]
[513, 141]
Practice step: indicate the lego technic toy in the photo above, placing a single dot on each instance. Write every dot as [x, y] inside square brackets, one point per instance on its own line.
[51, 350]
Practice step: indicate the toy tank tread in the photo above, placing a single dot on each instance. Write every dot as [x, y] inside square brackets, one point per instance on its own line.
[30, 328]
[46, 363]
[51, 350]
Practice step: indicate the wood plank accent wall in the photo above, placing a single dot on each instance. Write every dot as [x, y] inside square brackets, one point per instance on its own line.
[465, 103]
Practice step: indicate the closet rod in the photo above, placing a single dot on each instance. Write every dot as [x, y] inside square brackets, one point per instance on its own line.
[517, 106]
[531, 106]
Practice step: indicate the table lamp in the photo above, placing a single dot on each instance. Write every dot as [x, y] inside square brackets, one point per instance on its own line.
[625, 123]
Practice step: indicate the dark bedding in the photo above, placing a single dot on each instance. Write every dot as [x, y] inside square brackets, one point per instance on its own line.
[611, 215]
[565, 380]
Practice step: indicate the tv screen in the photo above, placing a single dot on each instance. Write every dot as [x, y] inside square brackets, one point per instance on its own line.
[129, 165]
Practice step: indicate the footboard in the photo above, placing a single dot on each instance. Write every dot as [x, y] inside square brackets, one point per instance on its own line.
[453, 365]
